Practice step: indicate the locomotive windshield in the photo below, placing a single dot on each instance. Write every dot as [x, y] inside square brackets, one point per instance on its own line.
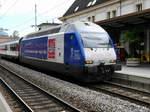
[95, 40]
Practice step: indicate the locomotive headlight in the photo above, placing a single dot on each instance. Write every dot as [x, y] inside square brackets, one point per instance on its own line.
[112, 61]
[89, 62]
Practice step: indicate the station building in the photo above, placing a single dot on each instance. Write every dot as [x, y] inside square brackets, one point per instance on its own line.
[116, 17]
[4, 37]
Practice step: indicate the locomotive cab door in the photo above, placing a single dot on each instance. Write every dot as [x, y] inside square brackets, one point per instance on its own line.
[73, 50]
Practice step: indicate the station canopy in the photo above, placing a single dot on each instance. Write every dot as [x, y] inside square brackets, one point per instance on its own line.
[128, 20]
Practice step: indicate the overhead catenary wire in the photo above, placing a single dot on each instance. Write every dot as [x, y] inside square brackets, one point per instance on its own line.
[5, 13]
[40, 15]
[43, 13]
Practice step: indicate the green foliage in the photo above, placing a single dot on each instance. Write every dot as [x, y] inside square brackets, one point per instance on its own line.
[134, 38]
[131, 36]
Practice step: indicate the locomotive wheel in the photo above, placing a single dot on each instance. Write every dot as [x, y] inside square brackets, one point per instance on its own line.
[108, 72]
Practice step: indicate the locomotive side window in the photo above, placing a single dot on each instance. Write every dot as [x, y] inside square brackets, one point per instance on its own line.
[46, 32]
[95, 40]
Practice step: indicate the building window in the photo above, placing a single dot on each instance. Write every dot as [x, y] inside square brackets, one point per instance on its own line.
[89, 18]
[139, 7]
[89, 4]
[93, 18]
[108, 15]
[76, 9]
[114, 13]
[94, 1]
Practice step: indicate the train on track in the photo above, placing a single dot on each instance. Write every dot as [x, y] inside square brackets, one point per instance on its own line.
[82, 50]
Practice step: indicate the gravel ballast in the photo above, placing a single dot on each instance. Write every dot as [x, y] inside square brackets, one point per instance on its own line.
[82, 98]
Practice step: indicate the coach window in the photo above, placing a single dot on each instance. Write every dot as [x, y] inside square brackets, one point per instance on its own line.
[5, 47]
[12, 47]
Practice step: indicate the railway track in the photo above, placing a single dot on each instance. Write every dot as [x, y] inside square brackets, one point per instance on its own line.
[15, 105]
[32, 97]
[126, 92]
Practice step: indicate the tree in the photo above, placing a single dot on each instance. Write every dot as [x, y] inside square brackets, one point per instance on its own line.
[134, 38]
[15, 35]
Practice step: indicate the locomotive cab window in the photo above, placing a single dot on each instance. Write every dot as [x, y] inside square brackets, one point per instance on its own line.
[96, 40]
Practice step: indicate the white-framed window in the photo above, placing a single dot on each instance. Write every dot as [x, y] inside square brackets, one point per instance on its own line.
[139, 7]
[114, 13]
[89, 18]
[108, 15]
[93, 18]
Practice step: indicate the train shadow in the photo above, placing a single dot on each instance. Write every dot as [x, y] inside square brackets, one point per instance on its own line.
[54, 74]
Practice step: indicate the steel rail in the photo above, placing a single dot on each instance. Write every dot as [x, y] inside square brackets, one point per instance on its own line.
[127, 87]
[20, 99]
[38, 87]
[123, 92]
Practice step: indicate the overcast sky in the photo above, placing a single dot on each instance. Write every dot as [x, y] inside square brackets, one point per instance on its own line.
[19, 14]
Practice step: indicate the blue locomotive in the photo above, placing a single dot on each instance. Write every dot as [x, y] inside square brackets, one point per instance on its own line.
[82, 50]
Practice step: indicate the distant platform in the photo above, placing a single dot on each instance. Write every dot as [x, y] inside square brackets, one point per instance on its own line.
[138, 77]
[140, 71]
[138, 74]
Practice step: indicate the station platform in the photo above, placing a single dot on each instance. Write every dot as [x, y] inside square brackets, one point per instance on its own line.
[139, 73]
[142, 70]
[4, 107]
